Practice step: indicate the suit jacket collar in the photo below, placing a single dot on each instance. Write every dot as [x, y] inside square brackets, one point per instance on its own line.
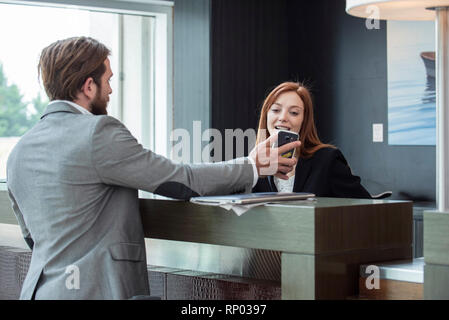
[59, 107]
[271, 184]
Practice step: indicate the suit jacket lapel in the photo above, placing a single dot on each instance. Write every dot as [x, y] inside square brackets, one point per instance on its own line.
[303, 169]
[271, 184]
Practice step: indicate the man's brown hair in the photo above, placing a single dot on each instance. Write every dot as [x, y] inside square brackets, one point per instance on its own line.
[65, 65]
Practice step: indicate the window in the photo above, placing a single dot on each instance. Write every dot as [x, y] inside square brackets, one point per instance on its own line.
[140, 57]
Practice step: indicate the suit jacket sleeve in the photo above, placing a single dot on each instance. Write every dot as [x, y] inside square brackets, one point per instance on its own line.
[120, 160]
[25, 232]
[343, 183]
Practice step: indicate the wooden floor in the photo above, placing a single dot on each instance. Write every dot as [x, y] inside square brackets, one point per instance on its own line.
[391, 290]
[397, 280]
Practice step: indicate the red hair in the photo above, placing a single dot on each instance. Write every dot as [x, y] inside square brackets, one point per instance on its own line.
[310, 143]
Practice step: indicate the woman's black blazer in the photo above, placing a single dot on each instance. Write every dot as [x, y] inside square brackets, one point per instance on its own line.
[326, 174]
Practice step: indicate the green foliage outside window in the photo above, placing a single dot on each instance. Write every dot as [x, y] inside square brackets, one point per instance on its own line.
[15, 116]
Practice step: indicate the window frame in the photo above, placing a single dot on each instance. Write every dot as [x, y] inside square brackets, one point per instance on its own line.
[163, 12]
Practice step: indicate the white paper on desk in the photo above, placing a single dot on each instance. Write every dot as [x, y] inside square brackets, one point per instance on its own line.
[238, 209]
[240, 203]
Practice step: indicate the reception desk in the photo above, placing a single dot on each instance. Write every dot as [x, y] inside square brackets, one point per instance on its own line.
[312, 249]
[320, 244]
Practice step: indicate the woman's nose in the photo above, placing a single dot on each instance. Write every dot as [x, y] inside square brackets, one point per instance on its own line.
[283, 116]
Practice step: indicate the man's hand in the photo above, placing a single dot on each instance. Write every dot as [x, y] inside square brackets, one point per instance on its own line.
[269, 161]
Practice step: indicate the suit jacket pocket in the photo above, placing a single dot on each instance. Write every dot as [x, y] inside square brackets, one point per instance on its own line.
[127, 252]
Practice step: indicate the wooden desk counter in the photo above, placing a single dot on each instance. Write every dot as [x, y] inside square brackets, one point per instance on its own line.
[322, 243]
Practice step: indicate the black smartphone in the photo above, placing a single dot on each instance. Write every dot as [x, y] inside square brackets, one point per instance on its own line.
[285, 137]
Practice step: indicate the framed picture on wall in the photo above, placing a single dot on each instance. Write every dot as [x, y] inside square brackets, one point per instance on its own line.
[411, 82]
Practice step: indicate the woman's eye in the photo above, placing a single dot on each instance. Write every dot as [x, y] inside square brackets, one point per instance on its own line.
[275, 110]
[294, 113]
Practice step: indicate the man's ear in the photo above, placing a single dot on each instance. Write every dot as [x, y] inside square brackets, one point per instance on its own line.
[89, 88]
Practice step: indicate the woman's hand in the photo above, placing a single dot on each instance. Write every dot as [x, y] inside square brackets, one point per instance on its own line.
[269, 161]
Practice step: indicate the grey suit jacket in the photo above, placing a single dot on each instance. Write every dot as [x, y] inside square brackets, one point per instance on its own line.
[73, 181]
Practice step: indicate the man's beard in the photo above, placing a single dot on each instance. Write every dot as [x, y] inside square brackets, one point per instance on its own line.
[99, 105]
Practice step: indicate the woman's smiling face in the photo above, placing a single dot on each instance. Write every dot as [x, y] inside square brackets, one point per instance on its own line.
[286, 113]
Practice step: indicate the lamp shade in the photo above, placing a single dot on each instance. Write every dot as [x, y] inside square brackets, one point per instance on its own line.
[396, 9]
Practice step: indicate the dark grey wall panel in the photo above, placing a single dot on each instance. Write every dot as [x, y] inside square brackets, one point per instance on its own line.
[249, 56]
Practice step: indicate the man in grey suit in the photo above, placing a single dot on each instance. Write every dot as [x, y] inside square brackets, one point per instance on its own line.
[73, 181]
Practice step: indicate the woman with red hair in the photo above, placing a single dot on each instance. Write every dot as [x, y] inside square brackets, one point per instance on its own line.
[321, 168]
